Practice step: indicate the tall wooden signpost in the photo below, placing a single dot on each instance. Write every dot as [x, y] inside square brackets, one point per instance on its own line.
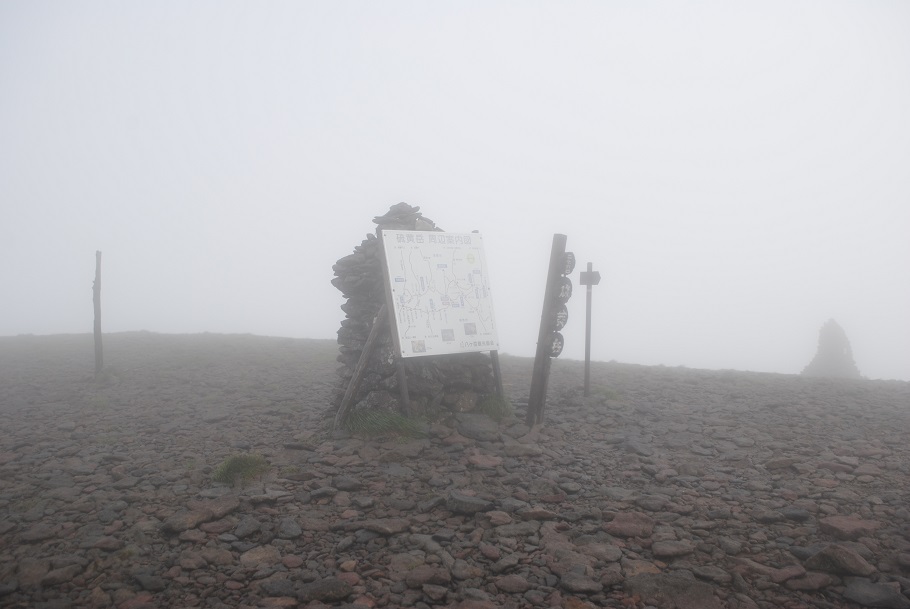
[553, 318]
[588, 278]
[437, 302]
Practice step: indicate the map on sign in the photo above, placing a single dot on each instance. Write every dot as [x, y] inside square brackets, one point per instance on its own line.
[440, 292]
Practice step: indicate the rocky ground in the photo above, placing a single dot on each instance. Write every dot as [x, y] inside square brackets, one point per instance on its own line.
[667, 488]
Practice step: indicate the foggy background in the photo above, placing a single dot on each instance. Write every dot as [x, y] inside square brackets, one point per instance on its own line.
[738, 172]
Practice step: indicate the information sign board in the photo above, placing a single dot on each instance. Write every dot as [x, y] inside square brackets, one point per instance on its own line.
[440, 289]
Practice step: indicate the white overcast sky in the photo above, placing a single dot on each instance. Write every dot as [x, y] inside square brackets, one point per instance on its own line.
[739, 172]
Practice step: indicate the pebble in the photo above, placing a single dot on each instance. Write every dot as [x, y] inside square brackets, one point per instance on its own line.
[683, 488]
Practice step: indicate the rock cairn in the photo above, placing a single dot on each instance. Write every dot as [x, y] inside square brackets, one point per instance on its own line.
[834, 357]
[436, 384]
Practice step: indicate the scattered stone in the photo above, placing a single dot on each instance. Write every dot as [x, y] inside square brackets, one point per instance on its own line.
[186, 520]
[465, 504]
[735, 478]
[328, 589]
[848, 527]
[810, 582]
[869, 594]
[513, 584]
[575, 582]
[839, 560]
[671, 549]
[260, 555]
[384, 526]
[630, 524]
[289, 529]
[672, 591]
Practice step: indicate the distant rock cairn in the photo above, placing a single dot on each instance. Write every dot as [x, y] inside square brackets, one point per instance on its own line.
[834, 358]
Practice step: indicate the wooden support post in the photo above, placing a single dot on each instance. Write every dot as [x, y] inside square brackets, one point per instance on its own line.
[354, 384]
[588, 338]
[403, 394]
[96, 299]
[540, 375]
[402, 374]
[497, 374]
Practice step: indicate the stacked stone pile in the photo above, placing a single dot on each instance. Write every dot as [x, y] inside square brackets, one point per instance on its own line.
[435, 384]
[834, 357]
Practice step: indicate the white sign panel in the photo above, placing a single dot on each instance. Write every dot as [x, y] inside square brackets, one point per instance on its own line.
[440, 292]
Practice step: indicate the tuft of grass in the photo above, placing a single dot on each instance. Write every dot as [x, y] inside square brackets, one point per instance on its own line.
[383, 422]
[605, 393]
[240, 468]
[496, 407]
[289, 470]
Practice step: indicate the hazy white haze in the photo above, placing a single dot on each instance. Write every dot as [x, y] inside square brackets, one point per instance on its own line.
[739, 172]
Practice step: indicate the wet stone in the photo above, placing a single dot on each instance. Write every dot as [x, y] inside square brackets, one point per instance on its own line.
[869, 594]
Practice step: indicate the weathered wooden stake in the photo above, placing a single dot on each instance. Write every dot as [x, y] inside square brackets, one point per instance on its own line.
[96, 299]
[402, 374]
[497, 373]
[348, 400]
[540, 375]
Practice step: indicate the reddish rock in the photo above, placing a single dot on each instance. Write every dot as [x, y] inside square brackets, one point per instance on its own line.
[260, 555]
[630, 524]
[383, 526]
[671, 549]
[108, 544]
[810, 581]
[485, 461]
[848, 527]
[427, 574]
[513, 584]
[182, 521]
[841, 560]
[218, 527]
[673, 591]
[631, 567]
[779, 576]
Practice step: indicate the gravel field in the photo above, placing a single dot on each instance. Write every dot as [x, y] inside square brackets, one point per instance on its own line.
[667, 488]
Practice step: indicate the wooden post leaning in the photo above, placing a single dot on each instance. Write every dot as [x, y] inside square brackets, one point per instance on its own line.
[96, 300]
[354, 384]
[540, 375]
[390, 307]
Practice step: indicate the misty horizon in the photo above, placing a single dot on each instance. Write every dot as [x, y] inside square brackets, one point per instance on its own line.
[736, 173]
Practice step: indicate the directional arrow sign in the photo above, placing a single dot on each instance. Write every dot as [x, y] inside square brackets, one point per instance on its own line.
[589, 277]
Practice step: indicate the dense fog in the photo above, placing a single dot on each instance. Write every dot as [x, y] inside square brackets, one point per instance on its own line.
[737, 172]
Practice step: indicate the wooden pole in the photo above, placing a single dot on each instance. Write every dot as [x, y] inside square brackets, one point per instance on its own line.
[539, 377]
[497, 373]
[589, 278]
[96, 299]
[403, 394]
[588, 334]
[354, 384]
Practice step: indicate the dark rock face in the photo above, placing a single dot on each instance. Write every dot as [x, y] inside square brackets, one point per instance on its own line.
[435, 384]
[834, 357]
